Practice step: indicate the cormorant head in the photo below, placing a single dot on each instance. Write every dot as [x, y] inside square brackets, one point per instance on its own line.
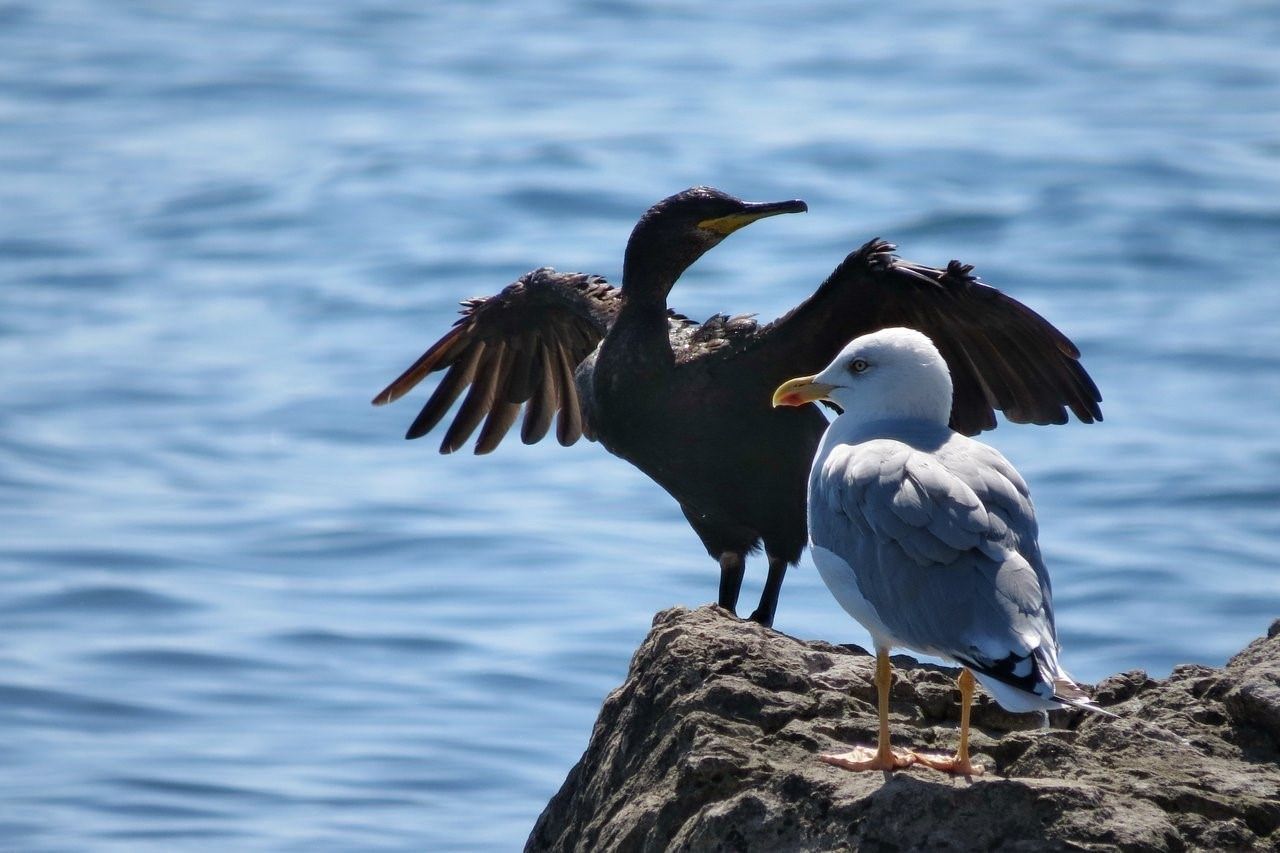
[676, 231]
[892, 373]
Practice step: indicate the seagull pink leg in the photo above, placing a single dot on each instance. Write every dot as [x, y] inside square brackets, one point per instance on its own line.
[882, 757]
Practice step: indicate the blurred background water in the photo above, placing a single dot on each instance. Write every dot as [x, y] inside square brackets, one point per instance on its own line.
[239, 611]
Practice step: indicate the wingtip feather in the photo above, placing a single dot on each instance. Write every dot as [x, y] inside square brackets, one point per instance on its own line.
[429, 361]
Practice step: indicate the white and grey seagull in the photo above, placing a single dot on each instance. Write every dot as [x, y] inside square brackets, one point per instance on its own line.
[927, 537]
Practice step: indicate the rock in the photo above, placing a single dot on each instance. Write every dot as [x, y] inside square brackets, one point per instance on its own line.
[711, 744]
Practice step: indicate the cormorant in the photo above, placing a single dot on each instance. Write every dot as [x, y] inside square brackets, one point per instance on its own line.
[927, 538]
[689, 404]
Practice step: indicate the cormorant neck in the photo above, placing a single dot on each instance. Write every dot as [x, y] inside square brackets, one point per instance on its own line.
[645, 284]
[640, 336]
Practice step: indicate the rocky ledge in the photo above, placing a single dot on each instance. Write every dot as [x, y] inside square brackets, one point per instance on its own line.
[711, 744]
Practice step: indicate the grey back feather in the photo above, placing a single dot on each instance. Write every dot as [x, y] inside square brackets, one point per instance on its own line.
[940, 533]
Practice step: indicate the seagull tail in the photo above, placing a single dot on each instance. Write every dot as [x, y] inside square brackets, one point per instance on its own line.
[1068, 692]
[1032, 681]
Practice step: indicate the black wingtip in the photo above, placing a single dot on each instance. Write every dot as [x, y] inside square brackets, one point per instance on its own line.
[420, 426]
[959, 272]
[874, 256]
[876, 253]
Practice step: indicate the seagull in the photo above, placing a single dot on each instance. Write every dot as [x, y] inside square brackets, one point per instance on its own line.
[927, 538]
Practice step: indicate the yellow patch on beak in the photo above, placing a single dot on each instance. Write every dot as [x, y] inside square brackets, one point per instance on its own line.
[797, 392]
[726, 225]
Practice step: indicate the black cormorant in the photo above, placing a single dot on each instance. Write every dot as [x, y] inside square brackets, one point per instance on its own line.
[689, 404]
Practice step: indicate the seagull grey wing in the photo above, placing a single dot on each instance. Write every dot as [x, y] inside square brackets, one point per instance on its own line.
[517, 348]
[1001, 354]
[942, 547]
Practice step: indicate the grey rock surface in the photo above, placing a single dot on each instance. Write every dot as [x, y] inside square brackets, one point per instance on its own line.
[711, 744]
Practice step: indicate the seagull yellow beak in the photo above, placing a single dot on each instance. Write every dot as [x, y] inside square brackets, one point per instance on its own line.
[797, 392]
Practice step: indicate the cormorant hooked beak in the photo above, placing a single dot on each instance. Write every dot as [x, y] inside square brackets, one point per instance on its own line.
[797, 392]
[751, 212]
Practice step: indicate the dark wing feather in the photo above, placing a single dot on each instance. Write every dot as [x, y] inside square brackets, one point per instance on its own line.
[518, 347]
[569, 424]
[545, 399]
[1002, 355]
[479, 401]
[449, 389]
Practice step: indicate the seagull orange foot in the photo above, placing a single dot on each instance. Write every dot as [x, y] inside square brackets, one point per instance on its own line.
[866, 758]
[956, 765]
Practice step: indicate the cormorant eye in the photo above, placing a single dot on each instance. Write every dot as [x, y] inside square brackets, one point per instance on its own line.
[858, 365]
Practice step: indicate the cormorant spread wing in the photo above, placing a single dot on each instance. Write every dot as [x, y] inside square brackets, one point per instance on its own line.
[519, 346]
[1001, 354]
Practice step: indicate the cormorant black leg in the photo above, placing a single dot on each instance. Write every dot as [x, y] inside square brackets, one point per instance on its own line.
[732, 567]
[769, 596]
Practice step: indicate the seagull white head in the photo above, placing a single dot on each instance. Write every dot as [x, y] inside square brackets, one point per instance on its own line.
[892, 373]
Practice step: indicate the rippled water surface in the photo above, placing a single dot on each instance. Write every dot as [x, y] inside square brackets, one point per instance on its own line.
[240, 612]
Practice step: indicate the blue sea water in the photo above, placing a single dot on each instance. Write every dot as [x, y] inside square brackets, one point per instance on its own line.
[239, 612]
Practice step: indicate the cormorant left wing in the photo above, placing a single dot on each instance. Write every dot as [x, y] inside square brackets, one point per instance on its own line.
[1001, 354]
[518, 347]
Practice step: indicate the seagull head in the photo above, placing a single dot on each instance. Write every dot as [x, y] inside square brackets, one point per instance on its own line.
[892, 373]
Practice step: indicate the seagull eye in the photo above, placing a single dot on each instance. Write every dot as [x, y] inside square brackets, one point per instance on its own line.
[858, 365]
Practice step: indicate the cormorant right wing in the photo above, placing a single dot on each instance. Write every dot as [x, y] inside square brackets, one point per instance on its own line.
[519, 346]
[1001, 354]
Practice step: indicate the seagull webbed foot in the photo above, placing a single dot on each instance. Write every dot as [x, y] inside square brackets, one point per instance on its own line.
[866, 758]
[956, 765]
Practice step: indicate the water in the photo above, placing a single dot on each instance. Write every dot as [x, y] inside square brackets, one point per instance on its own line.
[240, 612]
